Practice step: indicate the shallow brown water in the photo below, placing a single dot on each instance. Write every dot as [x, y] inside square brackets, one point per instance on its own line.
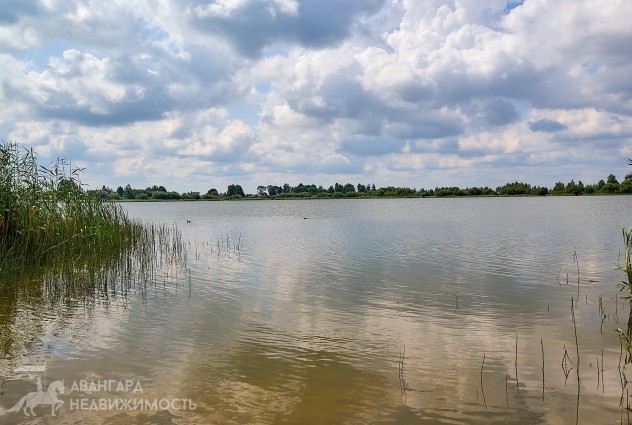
[368, 311]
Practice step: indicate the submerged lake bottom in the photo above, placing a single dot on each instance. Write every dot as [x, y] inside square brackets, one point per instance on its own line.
[389, 311]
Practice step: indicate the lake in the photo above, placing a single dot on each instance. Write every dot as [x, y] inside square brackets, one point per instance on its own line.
[393, 311]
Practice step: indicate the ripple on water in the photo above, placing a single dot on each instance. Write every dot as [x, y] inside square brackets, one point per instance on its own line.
[369, 311]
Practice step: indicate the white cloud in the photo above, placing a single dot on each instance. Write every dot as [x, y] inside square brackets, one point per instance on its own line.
[290, 7]
[223, 8]
[367, 90]
[227, 144]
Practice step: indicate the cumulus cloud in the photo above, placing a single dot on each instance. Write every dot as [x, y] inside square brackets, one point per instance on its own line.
[220, 145]
[499, 112]
[13, 9]
[384, 90]
[547, 126]
[251, 25]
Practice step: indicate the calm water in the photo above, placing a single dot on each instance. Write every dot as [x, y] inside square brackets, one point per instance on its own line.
[348, 311]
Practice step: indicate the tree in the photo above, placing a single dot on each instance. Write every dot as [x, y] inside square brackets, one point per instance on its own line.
[540, 191]
[120, 191]
[626, 184]
[516, 188]
[235, 190]
[68, 186]
[191, 195]
[129, 193]
[439, 191]
[166, 195]
[559, 187]
[261, 191]
[611, 186]
[212, 192]
[155, 188]
[361, 188]
[575, 188]
[103, 193]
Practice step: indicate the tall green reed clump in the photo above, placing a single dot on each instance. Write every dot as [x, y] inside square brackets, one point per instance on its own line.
[626, 286]
[48, 222]
[627, 267]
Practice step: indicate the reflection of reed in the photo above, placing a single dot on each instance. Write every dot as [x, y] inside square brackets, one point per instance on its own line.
[516, 364]
[600, 371]
[576, 340]
[577, 361]
[155, 255]
[542, 345]
[624, 337]
[225, 246]
[402, 380]
[507, 387]
[566, 359]
[482, 386]
[576, 261]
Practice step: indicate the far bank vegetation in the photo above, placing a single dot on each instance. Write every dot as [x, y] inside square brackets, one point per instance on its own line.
[609, 186]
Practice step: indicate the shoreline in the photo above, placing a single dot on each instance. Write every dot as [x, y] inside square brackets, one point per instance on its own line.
[319, 198]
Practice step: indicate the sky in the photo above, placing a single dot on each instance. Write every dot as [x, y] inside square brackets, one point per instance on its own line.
[199, 94]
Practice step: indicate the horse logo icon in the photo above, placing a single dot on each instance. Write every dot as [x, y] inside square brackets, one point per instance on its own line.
[40, 397]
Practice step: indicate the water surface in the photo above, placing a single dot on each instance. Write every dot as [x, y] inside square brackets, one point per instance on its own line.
[395, 311]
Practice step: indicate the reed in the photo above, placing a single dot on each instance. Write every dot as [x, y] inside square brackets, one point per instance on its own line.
[627, 237]
[49, 223]
[626, 287]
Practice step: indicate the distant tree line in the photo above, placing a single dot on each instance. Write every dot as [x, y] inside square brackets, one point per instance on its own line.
[234, 191]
